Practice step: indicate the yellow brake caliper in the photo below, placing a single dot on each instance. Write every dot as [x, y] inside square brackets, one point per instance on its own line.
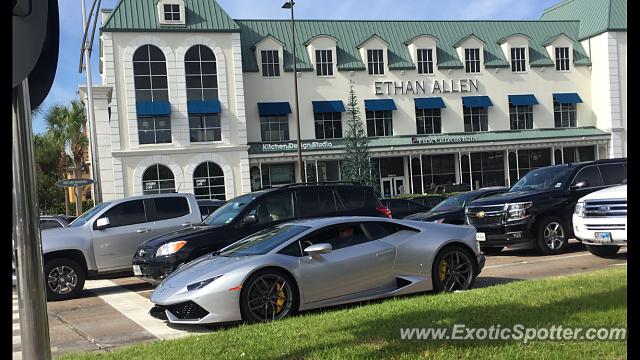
[281, 298]
[443, 270]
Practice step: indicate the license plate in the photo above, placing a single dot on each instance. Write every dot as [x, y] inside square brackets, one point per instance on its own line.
[603, 237]
[481, 236]
[136, 270]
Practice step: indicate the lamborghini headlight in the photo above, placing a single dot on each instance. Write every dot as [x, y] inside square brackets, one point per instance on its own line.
[201, 284]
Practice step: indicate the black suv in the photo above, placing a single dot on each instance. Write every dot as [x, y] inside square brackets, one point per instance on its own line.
[247, 214]
[537, 210]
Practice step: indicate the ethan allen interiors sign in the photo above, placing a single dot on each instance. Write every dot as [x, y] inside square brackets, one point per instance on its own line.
[416, 87]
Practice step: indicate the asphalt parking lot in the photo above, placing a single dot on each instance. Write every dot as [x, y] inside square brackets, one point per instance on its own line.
[113, 313]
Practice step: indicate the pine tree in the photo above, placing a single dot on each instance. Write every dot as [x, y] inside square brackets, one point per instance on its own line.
[356, 165]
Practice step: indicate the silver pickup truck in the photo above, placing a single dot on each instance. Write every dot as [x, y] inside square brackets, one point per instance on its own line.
[103, 240]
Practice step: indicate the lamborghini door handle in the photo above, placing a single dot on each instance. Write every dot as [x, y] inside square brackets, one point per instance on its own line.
[385, 252]
[143, 230]
[186, 224]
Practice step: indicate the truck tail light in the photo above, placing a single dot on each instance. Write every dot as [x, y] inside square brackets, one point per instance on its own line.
[384, 211]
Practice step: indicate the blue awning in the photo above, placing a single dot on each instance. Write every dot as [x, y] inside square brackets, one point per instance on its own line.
[153, 108]
[476, 101]
[380, 104]
[429, 103]
[204, 107]
[274, 108]
[526, 99]
[567, 98]
[328, 106]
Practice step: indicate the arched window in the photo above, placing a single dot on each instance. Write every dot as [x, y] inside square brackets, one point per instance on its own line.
[158, 179]
[202, 85]
[208, 181]
[150, 81]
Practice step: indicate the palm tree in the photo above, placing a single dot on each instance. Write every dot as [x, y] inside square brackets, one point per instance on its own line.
[67, 125]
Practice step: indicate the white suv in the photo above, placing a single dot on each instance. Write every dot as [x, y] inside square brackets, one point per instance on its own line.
[600, 220]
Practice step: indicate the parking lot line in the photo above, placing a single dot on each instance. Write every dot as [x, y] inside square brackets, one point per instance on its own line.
[536, 261]
[136, 307]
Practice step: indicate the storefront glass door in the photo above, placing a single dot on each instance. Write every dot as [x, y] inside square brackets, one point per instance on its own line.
[392, 186]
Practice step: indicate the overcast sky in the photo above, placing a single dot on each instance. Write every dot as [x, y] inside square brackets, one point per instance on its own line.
[67, 77]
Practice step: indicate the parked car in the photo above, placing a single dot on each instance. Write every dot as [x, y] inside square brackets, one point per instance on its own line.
[429, 201]
[451, 210]
[208, 206]
[52, 222]
[537, 211]
[449, 188]
[316, 263]
[403, 207]
[103, 239]
[600, 221]
[249, 213]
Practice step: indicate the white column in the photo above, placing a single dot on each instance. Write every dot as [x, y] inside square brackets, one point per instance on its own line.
[470, 171]
[506, 168]
[421, 175]
[517, 165]
[553, 155]
[410, 176]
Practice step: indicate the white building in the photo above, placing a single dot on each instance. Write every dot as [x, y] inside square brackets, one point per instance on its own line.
[192, 100]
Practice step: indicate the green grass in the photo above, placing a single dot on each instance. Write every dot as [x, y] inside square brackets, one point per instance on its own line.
[596, 299]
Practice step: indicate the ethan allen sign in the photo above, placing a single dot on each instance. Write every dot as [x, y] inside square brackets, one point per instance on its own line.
[415, 87]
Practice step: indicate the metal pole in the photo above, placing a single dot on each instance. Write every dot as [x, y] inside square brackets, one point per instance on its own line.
[93, 143]
[295, 89]
[34, 324]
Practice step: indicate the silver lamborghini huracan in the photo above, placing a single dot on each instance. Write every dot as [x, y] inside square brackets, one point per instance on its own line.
[308, 264]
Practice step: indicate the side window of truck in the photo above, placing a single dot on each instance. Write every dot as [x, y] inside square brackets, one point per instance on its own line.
[126, 213]
[274, 207]
[613, 174]
[171, 207]
[591, 175]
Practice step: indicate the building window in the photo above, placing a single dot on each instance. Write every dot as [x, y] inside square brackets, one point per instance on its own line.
[205, 127]
[562, 58]
[425, 61]
[201, 73]
[324, 63]
[158, 179]
[328, 125]
[475, 119]
[428, 121]
[518, 60]
[578, 154]
[274, 128]
[270, 63]
[487, 169]
[277, 174]
[521, 116]
[527, 160]
[435, 170]
[564, 115]
[154, 130]
[375, 60]
[379, 123]
[472, 60]
[172, 12]
[326, 171]
[150, 74]
[208, 181]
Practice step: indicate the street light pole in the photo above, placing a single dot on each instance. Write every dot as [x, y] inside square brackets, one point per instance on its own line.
[289, 5]
[93, 143]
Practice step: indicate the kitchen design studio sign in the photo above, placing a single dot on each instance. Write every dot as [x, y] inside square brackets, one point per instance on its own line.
[416, 87]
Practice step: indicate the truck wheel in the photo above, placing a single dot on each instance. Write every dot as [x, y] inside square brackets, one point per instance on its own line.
[605, 251]
[64, 279]
[492, 250]
[551, 235]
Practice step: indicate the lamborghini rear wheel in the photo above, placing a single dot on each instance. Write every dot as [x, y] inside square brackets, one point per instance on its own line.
[453, 269]
[268, 295]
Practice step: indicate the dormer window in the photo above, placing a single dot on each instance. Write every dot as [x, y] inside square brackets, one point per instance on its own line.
[270, 63]
[518, 60]
[472, 60]
[375, 61]
[562, 58]
[425, 61]
[172, 12]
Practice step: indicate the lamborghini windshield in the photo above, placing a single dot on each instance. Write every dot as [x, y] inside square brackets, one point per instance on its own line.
[263, 241]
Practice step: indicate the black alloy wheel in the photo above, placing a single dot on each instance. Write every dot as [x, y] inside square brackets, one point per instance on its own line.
[268, 295]
[453, 269]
